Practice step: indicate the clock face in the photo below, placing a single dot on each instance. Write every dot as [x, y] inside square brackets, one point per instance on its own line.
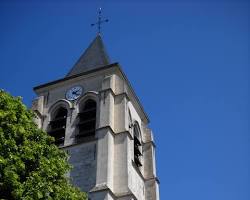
[73, 93]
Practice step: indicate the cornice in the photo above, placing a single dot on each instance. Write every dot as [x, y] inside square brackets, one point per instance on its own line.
[74, 76]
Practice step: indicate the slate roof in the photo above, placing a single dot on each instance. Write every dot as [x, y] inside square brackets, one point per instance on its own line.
[94, 57]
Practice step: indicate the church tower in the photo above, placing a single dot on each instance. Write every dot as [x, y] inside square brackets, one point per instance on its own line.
[94, 114]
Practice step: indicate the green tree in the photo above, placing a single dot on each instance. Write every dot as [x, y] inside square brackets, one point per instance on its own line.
[31, 166]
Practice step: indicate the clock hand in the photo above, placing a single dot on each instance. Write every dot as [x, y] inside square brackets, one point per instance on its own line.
[76, 92]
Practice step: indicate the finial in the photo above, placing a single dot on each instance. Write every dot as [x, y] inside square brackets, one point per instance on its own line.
[100, 21]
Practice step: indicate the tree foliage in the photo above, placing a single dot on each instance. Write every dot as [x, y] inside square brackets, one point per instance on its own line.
[31, 166]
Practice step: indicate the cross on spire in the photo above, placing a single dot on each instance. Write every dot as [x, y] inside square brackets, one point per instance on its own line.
[100, 21]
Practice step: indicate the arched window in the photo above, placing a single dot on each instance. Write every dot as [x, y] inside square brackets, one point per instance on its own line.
[137, 147]
[87, 119]
[58, 125]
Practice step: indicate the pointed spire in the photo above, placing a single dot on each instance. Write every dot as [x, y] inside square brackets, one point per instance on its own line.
[94, 57]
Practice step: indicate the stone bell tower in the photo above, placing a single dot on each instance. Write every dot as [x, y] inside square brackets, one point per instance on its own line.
[95, 115]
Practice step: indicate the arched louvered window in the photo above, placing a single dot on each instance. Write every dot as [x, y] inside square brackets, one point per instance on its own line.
[137, 147]
[87, 119]
[58, 125]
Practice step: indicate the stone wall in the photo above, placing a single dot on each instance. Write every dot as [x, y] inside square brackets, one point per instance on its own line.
[83, 159]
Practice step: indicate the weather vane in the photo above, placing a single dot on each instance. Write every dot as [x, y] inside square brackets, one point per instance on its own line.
[100, 21]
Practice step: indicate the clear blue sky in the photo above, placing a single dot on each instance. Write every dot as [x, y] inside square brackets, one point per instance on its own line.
[187, 61]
